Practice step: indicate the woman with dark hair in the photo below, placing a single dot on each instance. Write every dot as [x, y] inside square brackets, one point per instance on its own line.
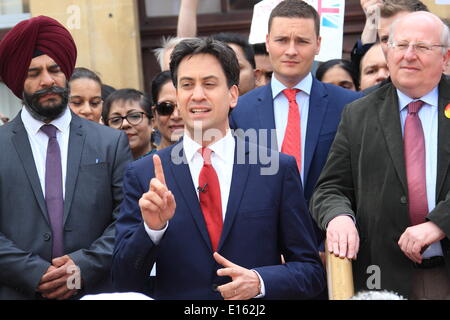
[339, 72]
[167, 118]
[130, 110]
[86, 94]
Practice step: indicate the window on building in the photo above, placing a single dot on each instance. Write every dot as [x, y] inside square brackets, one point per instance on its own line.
[157, 8]
[12, 12]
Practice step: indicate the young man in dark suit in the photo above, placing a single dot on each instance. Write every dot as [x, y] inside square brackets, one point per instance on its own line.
[307, 130]
[215, 222]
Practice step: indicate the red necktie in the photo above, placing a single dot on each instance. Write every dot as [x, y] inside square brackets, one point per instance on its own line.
[414, 149]
[292, 141]
[210, 200]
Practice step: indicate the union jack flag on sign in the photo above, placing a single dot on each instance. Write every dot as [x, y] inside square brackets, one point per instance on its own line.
[329, 11]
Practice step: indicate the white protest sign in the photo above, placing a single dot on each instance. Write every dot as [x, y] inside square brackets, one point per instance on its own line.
[331, 13]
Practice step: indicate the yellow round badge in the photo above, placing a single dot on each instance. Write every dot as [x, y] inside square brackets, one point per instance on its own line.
[447, 111]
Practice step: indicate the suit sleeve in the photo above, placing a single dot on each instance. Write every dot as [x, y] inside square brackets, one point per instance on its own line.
[302, 276]
[20, 269]
[334, 193]
[95, 261]
[440, 215]
[134, 252]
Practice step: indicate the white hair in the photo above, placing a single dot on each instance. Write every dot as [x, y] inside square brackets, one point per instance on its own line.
[377, 295]
[445, 33]
[166, 44]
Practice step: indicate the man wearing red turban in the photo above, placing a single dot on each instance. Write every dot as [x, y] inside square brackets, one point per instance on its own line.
[60, 175]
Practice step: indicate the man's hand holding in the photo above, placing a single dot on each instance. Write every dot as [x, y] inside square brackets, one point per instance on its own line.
[342, 237]
[417, 238]
[54, 283]
[370, 7]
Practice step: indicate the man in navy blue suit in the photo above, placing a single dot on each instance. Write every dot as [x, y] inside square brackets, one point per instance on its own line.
[215, 222]
[292, 42]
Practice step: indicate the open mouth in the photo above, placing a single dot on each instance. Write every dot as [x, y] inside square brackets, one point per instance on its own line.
[199, 110]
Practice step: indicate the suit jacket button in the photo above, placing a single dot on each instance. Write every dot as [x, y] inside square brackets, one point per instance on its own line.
[403, 200]
[47, 236]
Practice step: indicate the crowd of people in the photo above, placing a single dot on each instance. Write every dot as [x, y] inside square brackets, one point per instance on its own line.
[234, 174]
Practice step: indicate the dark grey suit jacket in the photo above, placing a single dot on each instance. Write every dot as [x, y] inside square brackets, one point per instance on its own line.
[92, 197]
[365, 177]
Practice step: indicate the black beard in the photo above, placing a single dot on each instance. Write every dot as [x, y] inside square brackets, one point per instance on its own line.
[48, 113]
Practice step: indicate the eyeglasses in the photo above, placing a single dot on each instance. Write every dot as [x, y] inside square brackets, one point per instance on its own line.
[419, 47]
[165, 108]
[133, 119]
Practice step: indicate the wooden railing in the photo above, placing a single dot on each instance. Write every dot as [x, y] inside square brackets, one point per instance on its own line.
[339, 277]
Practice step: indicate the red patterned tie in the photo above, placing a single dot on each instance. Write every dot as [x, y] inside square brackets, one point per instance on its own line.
[210, 200]
[292, 142]
[414, 149]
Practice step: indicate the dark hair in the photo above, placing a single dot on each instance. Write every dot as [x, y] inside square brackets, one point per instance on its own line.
[218, 49]
[127, 95]
[158, 82]
[84, 73]
[260, 49]
[239, 40]
[295, 9]
[106, 91]
[343, 64]
[391, 7]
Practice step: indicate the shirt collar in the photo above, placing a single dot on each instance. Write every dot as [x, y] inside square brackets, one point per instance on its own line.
[221, 147]
[62, 123]
[431, 98]
[304, 85]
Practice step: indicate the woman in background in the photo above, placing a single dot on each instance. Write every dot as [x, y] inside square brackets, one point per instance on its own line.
[86, 94]
[130, 110]
[339, 72]
[167, 119]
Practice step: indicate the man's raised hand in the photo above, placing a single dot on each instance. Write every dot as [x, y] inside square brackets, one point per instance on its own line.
[158, 203]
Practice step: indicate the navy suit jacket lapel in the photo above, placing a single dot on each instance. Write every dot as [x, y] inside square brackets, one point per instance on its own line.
[183, 179]
[318, 104]
[76, 144]
[238, 184]
[23, 148]
[266, 113]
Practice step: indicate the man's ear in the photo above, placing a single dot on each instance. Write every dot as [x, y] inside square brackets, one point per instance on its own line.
[319, 41]
[258, 77]
[234, 93]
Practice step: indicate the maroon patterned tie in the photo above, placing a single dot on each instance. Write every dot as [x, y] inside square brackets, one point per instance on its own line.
[53, 190]
[414, 149]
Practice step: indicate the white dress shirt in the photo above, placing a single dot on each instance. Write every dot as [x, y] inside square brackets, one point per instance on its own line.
[222, 160]
[428, 115]
[39, 141]
[281, 110]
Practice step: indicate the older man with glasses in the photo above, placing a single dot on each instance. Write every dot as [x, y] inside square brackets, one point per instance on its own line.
[383, 195]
